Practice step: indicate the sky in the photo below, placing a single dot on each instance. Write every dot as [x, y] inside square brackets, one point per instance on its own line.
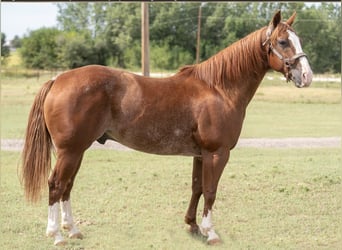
[20, 18]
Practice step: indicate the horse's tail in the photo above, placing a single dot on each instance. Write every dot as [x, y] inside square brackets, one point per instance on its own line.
[36, 155]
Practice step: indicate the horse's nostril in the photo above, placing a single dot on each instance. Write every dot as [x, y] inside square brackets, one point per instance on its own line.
[304, 77]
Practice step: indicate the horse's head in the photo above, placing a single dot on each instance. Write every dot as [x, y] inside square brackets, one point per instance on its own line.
[285, 52]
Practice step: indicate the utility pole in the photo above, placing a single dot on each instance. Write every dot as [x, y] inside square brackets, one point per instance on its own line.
[198, 34]
[145, 38]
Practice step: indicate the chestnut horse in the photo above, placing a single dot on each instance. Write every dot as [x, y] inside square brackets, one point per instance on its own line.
[197, 112]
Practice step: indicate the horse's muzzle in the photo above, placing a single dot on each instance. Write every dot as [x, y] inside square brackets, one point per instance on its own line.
[305, 80]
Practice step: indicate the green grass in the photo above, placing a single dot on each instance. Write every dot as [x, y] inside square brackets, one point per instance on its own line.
[282, 110]
[17, 95]
[277, 110]
[277, 119]
[267, 199]
[14, 60]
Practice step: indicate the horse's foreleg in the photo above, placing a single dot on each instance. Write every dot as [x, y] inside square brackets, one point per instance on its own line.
[190, 217]
[63, 174]
[213, 165]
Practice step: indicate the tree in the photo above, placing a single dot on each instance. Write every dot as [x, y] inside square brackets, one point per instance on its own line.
[16, 42]
[5, 50]
[39, 49]
[75, 16]
[175, 24]
[107, 33]
[333, 16]
[123, 33]
[320, 32]
[83, 40]
[113, 28]
[77, 49]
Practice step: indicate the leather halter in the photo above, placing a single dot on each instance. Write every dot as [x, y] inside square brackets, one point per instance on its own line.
[288, 62]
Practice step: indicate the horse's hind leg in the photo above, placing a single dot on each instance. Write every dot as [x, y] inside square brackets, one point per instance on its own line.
[67, 218]
[190, 217]
[63, 174]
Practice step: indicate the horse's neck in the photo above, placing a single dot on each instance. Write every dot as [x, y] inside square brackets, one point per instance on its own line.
[241, 86]
[242, 91]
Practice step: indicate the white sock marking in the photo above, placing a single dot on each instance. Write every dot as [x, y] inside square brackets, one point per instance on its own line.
[53, 220]
[207, 227]
[68, 221]
[52, 229]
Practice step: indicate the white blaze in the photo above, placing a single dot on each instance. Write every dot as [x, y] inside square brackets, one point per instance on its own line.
[306, 69]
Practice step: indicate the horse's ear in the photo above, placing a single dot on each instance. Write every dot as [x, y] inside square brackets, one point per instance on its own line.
[291, 19]
[274, 22]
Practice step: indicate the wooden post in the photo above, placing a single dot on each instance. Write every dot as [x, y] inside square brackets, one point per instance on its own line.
[198, 34]
[145, 52]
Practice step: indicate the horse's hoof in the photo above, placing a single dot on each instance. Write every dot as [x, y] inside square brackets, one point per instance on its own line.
[194, 230]
[77, 235]
[215, 241]
[59, 241]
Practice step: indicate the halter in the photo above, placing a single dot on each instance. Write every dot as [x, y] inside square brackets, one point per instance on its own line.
[288, 62]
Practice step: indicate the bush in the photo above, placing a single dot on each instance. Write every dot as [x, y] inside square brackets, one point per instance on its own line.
[39, 49]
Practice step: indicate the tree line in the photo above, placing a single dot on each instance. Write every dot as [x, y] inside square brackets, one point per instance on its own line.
[110, 33]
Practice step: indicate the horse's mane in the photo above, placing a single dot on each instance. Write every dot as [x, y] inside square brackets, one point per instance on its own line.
[232, 63]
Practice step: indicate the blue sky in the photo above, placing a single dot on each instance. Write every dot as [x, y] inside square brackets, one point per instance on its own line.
[19, 18]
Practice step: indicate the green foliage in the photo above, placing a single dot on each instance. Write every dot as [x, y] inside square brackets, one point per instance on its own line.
[5, 51]
[74, 16]
[176, 24]
[320, 32]
[123, 32]
[76, 50]
[165, 57]
[39, 49]
[16, 42]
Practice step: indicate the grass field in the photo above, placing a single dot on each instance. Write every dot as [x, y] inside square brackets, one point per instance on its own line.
[267, 199]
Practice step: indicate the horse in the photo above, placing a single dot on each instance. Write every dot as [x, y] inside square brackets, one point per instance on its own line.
[197, 112]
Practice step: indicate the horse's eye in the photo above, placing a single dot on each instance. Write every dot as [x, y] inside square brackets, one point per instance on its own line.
[283, 43]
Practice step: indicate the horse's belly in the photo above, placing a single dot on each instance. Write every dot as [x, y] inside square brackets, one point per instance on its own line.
[150, 140]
